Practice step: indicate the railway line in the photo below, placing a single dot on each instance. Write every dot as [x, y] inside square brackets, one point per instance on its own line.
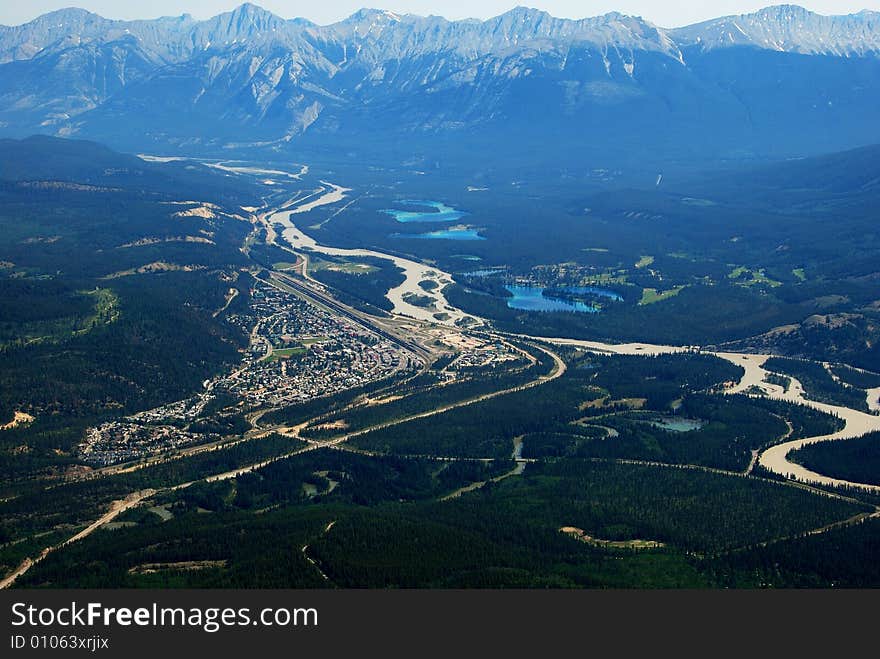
[337, 307]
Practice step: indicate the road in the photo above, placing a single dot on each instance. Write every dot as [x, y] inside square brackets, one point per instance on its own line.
[116, 509]
[752, 382]
[335, 194]
[136, 498]
[323, 299]
[558, 371]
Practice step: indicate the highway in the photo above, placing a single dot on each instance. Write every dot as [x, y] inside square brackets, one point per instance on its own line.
[281, 280]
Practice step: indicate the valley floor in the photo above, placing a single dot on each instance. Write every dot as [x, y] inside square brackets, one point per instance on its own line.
[413, 336]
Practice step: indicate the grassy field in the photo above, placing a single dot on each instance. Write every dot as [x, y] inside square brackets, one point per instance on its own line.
[652, 295]
[747, 277]
[285, 353]
[341, 265]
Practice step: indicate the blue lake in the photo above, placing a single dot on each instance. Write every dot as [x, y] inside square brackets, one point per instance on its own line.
[533, 298]
[440, 212]
[584, 290]
[445, 234]
[677, 424]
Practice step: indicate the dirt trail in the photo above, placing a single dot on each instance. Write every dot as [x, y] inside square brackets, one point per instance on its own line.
[517, 470]
[336, 193]
[774, 459]
[312, 561]
[116, 509]
[230, 296]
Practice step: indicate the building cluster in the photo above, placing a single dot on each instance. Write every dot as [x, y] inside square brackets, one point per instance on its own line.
[123, 441]
[297, 352]
[567, 274]
[186, 410]
[489, 354]
[300, 352]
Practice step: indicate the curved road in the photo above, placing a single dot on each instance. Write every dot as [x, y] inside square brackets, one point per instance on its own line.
[774, 459]
[753, 382]
[135, 499]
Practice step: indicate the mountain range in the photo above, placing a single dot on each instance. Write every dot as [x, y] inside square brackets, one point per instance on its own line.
[781, 82]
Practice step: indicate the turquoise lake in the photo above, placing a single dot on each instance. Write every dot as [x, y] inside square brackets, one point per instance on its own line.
[440, 212]
[444, 234]
[533, 298]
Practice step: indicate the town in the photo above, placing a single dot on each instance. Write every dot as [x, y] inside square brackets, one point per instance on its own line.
[297, 352]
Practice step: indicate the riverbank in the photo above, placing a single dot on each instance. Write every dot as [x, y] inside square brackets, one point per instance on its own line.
[415, 273]
[753, 381]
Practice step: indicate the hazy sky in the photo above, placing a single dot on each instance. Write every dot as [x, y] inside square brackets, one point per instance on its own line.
[664, 13]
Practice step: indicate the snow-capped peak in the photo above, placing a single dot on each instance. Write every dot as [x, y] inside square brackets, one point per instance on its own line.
[788, 28]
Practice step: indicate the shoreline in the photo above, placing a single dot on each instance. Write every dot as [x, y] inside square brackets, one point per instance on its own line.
[774, 458]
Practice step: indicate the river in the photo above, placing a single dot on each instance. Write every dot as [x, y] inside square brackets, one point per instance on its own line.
[774, 459]
[414, 271]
